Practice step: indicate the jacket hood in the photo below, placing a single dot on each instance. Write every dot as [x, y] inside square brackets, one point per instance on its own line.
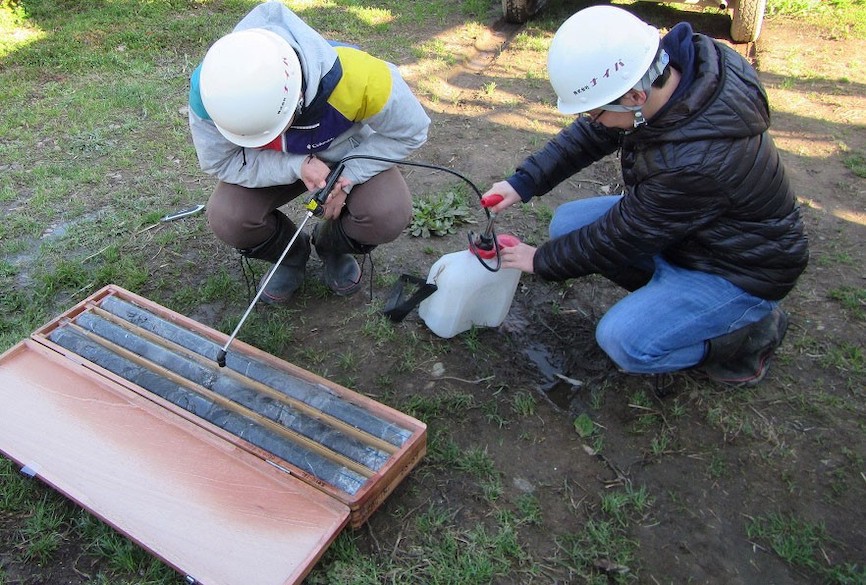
[316, 55]
[725, 100]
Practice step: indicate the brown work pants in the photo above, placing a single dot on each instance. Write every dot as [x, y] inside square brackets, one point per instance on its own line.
[376, 212]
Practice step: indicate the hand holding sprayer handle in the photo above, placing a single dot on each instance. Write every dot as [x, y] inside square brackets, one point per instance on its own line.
[507, 193]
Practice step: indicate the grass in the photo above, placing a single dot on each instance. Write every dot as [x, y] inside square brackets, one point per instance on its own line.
[523, 404]
[801, 543]
[42, 532]
[124, 69]
[853, 299]
[452, 554]
[840, 17]
[601, 539]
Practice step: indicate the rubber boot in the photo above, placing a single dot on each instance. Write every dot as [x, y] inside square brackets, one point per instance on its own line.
[289, 276]
[742, 357]
[335, 248]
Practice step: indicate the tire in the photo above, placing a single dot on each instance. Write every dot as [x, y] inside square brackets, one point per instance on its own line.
[519, 11]
[746, 19]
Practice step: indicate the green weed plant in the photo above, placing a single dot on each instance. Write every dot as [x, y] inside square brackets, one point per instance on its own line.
[440, 214]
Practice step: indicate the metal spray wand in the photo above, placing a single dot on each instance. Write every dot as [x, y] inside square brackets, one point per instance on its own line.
[314, 207]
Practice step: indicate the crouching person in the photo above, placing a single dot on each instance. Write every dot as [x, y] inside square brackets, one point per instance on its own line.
[707, 233]
[273, 108]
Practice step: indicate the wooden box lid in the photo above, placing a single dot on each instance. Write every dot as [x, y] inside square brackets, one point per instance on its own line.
[212, 505]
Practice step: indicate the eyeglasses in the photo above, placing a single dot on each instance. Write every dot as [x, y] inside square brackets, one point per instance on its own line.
[592, 115]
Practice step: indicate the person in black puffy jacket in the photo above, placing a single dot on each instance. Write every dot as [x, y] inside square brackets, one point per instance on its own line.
[707, 234]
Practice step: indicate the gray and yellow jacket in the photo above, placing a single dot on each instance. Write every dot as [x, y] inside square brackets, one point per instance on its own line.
[353, 104]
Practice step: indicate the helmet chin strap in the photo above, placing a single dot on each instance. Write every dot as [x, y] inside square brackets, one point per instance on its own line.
[645, 85]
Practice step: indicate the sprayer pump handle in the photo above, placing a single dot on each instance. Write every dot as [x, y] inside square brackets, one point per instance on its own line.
[491, 200]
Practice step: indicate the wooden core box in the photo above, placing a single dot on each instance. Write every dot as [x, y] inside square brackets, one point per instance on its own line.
[241, 475]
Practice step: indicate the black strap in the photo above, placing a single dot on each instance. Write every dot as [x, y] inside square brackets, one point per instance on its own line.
[398, 306]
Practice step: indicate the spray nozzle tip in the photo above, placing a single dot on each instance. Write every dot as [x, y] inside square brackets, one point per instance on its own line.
[221, 358]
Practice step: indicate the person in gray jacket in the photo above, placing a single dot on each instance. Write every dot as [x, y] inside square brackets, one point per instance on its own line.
[273, 108]
[707, 234]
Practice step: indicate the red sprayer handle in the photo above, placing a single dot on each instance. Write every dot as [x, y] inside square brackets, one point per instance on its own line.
[491, 200]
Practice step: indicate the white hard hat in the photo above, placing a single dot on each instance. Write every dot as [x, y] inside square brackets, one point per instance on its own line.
[597, 55]
[251, 86]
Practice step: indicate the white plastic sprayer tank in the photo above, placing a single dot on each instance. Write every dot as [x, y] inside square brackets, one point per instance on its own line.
[468, 294]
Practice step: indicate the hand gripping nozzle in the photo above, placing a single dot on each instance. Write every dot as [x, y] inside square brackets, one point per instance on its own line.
[316, 203]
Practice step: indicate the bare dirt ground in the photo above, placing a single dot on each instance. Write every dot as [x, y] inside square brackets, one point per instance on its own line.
[711, 460]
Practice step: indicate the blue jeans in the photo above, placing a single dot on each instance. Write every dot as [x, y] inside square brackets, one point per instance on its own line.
[664, 325]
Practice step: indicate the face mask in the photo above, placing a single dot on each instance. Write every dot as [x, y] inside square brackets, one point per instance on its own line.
[645, 85]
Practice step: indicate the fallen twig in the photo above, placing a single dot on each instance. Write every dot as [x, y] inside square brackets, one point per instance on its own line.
[572, 381]
[478, 381]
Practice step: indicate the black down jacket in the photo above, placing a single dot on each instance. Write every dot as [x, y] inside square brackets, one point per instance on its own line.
[704, 187]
